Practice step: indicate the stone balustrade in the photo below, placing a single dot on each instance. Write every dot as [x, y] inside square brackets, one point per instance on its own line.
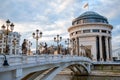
[42, 59]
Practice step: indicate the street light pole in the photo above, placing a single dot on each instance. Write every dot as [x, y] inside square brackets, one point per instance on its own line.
[67, 42]
[29, 45]
[36, 36]
[57, 40]
[6, 32]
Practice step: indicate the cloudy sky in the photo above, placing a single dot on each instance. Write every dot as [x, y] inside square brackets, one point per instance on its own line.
[54, 17]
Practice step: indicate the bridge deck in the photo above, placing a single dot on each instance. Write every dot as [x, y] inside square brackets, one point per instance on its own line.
[17, 61]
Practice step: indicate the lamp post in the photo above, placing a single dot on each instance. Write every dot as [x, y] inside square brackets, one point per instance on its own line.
[61, 48]
[14, 44]
[67, 42]
[29, 45]
[57, 40]
[6, 32]
[36, 36]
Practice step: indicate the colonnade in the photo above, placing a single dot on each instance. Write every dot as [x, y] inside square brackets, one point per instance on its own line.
[107, 46]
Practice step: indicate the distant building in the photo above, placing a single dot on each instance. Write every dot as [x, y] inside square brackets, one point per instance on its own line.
[13, 41]
[116, 54]
[91, 36]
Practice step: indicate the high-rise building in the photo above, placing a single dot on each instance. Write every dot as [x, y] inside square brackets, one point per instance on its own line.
[91, 36]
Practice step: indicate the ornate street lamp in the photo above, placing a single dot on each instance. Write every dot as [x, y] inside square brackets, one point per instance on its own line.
[36, 36]
[6, 32]
[14, 44]
[57, 40]
[67, 42]
[29, 45]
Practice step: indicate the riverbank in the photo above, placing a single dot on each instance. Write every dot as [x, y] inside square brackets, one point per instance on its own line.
[96, 72]
[95, 75]
[105, 73]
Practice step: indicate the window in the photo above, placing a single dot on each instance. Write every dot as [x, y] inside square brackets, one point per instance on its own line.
[104, 31]
[109, 32]
[86, 31]
[76, 32]
[91, 20]
[95, 30]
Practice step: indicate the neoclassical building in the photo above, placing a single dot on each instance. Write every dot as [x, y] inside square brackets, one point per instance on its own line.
[13, 41]
[90, 34]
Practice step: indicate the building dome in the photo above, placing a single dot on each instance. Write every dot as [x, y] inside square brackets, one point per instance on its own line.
[90, 17]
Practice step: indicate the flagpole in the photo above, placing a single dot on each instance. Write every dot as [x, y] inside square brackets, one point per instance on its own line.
[88, 6]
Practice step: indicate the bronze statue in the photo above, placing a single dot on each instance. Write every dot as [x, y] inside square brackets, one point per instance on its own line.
[24, 47]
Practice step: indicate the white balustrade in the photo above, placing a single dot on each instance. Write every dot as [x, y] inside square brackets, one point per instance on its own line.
[1, 60]
[40, 59]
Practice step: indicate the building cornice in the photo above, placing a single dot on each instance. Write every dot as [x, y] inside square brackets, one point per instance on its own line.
[90, 24]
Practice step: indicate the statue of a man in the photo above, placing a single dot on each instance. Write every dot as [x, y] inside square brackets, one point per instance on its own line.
[24, 47]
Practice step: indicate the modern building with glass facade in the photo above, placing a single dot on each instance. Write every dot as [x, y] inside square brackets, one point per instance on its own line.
[90, 34]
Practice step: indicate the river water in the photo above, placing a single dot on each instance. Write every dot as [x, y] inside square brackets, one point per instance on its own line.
[69, 77]
[66, 75]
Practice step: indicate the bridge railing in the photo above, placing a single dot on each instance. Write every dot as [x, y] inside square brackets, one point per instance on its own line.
[41, 59]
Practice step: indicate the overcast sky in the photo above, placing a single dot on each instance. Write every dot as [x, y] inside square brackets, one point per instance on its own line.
[54, 17]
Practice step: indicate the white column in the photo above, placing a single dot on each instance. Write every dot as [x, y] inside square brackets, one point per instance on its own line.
[18, 47]
[11, 47]
[76, 46]
[110, 49]
[100, 44]
[2, 43]
[72, 45]
[17, 75]
[94, 50]
[107, 48]
[80, 51]
[15, 49]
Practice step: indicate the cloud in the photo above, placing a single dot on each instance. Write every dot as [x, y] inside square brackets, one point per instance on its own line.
[108, 8]
[54, 17]
[64, 5]
[116, 37]
[60, 6]
[115, 42]
[116, 30]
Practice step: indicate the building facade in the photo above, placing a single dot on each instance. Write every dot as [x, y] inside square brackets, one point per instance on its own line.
[90, 34]
[116, 54]
[13, 42]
